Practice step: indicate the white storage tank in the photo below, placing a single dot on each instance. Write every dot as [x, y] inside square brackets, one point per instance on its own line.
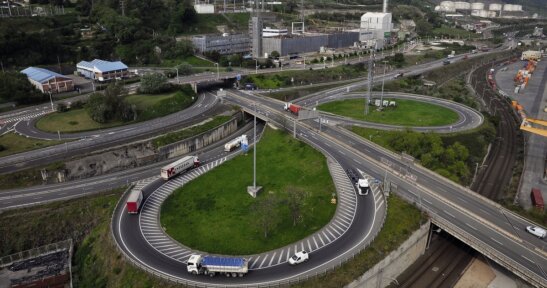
[477, 6]
[480, 13]
[517, 7]
[495, 7]
[447, 6]
[462, 5]
[512, 7]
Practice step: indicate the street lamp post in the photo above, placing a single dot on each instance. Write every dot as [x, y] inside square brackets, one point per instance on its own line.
[383, 79]
[256, 66]
[177, 69]
[51, 100]
[218, 73]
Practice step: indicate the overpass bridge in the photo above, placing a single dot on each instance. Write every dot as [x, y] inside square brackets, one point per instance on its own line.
[484, 225]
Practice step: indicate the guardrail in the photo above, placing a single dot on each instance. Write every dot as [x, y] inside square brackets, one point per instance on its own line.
[34, 252]
[331, 265]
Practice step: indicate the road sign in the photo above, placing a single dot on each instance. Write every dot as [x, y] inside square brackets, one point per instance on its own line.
[238, 77]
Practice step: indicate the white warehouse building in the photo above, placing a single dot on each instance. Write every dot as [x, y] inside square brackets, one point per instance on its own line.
[375, 29]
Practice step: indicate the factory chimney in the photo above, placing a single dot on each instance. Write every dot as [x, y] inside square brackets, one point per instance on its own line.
[384, 9]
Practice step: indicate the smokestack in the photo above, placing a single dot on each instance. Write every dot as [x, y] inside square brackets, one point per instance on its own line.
[384, 9]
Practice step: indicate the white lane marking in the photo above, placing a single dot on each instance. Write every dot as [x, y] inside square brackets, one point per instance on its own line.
[496, 241]
[271, 260]
[427, 201]
[449, 214]
[527, 259]
[485, 211]
[471, 226]
[463, 200]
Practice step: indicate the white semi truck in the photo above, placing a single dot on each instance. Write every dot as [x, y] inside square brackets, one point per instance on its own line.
[211, 265]
[183, 164]
[235, 143]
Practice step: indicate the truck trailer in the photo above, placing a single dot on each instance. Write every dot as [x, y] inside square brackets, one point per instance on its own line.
[181, 165]
[537, 199]
[134, 201]
[235, 143]
[292, 108]
[211, 265]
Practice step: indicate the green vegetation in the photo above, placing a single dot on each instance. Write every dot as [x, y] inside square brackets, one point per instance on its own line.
[97, 263]
[190, 59]
[213, 212]
[12, 143]
[189, 132]
[28, 177]
[453, 155]
[401, 221]
[407, 112]
[17, 88]
[206, 24]
[76, 120]
[146, 107]
[454, 33]
[285, 78]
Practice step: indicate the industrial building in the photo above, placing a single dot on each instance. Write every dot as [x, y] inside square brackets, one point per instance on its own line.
[224, 44]
[48, 81]
[375, 31]
[309, 42]
[102, 70]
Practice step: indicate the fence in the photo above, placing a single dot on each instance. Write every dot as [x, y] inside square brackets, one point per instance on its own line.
[35, 252]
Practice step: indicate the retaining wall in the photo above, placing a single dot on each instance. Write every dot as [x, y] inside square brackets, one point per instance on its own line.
[385, 272]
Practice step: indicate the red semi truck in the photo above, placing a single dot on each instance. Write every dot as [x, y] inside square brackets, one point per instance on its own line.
[134, 201]
[183, 164]
[537, 199]
[292, 108]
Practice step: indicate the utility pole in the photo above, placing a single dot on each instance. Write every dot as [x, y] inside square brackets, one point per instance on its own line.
[383, 79]
[370, 67]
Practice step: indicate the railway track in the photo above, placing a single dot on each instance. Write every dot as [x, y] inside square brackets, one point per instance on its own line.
[449, 256]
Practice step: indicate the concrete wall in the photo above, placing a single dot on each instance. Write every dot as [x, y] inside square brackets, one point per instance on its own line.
[197, 142]
[383, 273]
[141, 153]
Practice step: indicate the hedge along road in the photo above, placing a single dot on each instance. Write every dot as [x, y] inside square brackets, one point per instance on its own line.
[468, 118]
[364, 226]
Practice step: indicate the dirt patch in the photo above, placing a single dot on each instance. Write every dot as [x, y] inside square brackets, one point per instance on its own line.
[477, 275]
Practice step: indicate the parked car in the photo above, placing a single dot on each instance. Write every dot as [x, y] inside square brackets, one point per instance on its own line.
[299, 257]
[398, 75]
[536, 231]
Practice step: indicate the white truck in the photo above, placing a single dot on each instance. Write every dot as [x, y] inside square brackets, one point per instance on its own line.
[211, 265]
[181, 165]
[235, 143]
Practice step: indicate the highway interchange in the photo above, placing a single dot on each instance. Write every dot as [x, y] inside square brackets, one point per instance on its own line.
[491, 224]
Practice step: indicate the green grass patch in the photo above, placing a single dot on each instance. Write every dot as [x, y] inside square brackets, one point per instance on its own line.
[407, 112]
[213, 212]
[189, 132]
[148, 107]
[12, 143]
[144, 101]
[76, 120]
[207, 24]
[192, 60]
[305, 77]
[401, 221]
[159, 107]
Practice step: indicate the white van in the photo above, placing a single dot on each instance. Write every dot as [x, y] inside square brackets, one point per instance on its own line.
[536, 231]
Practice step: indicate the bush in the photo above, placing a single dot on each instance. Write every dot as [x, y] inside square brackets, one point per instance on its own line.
[61, 107]
[154, 83]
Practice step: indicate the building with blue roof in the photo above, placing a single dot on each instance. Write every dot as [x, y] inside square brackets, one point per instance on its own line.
[102, 70]
[48, 81]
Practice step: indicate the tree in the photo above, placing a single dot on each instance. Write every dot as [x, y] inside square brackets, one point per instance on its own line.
[295, 202]
[110, 105]
[423, 27]
[17, 88]
[275, 54]
[154, 83]
[265, 213]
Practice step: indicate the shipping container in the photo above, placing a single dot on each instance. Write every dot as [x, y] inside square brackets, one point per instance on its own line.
[134, 201]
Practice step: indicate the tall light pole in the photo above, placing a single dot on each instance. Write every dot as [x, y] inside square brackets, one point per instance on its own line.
[254, 150]
[256, 66]
[178, 81]
[218, 73]
[383, 80]
[51, 100]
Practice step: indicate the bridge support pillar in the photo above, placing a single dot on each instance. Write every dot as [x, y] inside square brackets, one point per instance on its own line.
[194, 87]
